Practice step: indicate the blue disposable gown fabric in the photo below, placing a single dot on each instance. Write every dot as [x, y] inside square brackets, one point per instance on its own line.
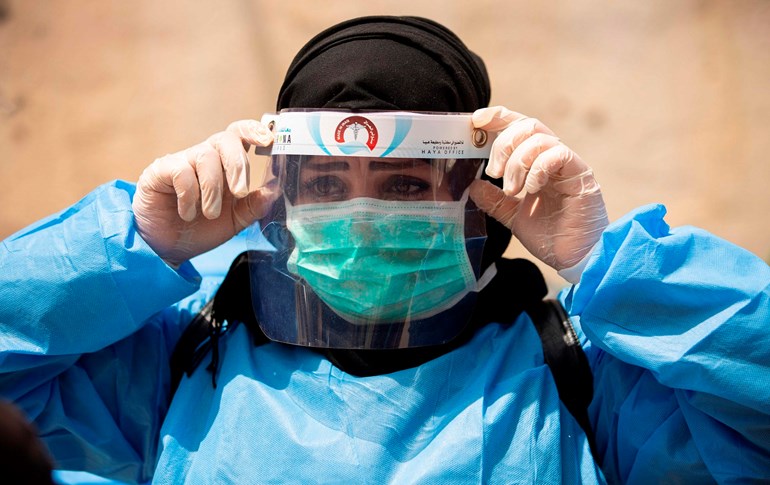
[674, 322]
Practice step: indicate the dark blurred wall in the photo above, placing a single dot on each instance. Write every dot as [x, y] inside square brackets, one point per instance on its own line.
[668, 101]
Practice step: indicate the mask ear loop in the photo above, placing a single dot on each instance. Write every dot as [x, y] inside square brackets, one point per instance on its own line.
[486, 277]
[489, 274]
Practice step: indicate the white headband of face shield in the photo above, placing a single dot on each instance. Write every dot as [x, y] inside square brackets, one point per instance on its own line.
[392, 134]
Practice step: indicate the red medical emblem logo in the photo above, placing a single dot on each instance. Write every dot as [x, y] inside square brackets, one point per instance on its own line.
[357, 123]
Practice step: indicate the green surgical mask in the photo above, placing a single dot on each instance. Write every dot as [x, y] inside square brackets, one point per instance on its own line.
[377, 261]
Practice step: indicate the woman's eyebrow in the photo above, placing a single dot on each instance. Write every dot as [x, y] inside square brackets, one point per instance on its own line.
[376, 165]
[335, 166]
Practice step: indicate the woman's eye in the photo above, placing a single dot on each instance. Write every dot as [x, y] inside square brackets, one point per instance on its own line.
[325, 188]
[403, 187]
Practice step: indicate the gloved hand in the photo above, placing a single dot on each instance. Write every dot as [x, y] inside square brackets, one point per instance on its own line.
[561, 214]
[194, 200]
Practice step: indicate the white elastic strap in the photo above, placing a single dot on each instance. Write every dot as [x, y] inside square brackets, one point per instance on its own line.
[486, 277]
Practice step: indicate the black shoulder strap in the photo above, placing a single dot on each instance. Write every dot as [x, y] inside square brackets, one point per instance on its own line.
[230, 306]
[567, 361]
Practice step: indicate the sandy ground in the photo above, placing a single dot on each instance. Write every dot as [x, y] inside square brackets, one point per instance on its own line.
[668, 101]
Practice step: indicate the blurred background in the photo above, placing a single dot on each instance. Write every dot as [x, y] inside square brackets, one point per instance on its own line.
[668, 101]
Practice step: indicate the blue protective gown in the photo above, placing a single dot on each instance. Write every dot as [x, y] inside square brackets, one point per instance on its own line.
[674, 322]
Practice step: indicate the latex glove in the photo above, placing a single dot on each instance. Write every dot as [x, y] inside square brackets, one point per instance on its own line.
[560, 214]
[189, 202]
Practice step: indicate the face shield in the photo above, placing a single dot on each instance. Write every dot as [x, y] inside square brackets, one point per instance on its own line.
[375, 243]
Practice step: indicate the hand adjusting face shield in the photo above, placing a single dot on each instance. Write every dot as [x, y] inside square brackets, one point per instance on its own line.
[376, 243]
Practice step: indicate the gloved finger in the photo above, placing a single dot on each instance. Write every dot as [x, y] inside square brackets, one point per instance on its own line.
[515, 127]
[493, 201]
[176, 173]
[251, 132]
[497, 118]
[567, 173]
[234, 161]
[494, 118]
[255, 205]
[208, 168]
[519, 164]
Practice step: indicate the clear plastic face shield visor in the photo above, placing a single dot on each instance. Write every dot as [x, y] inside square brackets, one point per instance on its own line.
[375, 243]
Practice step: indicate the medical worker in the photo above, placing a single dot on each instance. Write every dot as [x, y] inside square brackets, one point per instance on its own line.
[93, 300]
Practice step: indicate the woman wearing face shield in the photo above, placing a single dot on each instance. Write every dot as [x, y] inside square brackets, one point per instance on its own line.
[672, 321]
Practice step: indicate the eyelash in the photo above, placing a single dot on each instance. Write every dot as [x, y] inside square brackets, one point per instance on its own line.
[399, 180]
[310, 188]
[328, 188]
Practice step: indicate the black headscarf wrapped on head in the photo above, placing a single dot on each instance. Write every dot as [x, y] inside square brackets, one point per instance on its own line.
[391, 63]
[379, 62]
[410, 64]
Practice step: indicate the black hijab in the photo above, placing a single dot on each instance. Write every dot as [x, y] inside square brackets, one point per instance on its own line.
[412, 64]
[405, 63]
[383, 62]
[380, 62]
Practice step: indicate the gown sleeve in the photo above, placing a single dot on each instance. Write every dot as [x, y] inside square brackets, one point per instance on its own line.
[677, 322]
[88, 318]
